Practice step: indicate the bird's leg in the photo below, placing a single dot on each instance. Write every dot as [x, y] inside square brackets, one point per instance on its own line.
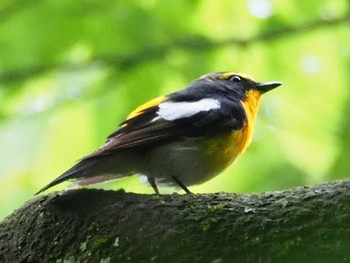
[179, 183]
[152, 182]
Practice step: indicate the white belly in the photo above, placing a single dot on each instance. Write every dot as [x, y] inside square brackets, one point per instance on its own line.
[185, 160]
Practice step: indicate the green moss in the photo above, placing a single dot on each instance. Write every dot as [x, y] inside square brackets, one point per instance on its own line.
[212, 216]
[70, 259]
[92, 227]
[105, 260]
[156, 197]
[288, 244]
[206, 226]
[82, 246]
[190, 204]
[215, 208]
[100, 242]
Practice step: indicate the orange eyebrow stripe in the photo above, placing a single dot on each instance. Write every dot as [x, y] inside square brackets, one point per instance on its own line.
[146, 105]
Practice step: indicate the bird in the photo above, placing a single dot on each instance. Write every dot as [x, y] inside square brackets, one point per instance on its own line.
[181, 139]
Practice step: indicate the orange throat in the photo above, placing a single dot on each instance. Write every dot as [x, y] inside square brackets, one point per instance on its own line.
[224, 149]
[251, 106]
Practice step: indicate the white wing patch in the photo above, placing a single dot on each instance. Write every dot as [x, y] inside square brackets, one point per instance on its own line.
[177, 110]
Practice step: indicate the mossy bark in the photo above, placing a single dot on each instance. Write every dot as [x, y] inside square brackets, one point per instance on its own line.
[298, 225]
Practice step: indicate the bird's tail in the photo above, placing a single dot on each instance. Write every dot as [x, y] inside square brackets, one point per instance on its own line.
[97, 169]
[77, 171]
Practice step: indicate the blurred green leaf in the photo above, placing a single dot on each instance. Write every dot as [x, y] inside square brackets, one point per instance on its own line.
[70, 71]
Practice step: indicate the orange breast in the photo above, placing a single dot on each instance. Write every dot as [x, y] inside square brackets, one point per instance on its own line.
[223, 150]
[251, 106]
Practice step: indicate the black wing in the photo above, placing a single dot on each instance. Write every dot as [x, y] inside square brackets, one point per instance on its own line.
[147, 128]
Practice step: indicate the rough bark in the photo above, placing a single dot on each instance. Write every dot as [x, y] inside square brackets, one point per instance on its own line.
[298, 225]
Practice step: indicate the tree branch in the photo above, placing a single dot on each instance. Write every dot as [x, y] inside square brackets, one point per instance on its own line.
[194, 42]
[302, 224]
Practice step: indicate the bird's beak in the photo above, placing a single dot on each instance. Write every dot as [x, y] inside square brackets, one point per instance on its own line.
[267, 86]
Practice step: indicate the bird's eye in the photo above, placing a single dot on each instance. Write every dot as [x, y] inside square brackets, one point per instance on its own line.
[236, 79]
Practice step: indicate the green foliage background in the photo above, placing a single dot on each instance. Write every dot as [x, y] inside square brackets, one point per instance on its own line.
[70, 71]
